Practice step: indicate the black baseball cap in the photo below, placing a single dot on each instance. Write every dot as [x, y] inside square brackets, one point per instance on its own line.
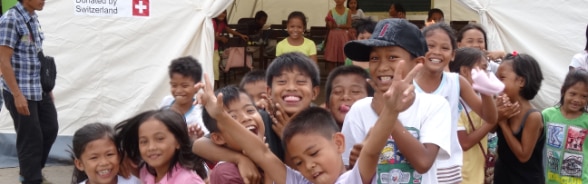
[389, 32]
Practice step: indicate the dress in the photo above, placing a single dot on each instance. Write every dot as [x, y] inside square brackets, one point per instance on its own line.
[427, 119]
[193, 116]
[37, 131]
[450, 170]
[308, 48]
[580, 60]
[337, 38]
[179, 175]
[509, 169]
[566, 151]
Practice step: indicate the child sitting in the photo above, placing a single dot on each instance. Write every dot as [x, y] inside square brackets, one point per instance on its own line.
[345, 85]
[159, 140]
[241, 108]
[96, 156]
[296, 42]
[184, 73]
[255, 86]
[422, 135]
[313, 141]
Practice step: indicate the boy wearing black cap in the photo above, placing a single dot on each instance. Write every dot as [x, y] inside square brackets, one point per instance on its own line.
[423, 134]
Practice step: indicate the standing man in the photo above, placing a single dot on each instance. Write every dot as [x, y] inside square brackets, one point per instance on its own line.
[31, 109]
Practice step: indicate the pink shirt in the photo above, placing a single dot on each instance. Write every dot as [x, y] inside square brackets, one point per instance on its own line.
[180, 175]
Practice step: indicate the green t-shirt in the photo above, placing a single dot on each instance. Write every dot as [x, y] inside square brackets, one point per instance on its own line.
[565, 147]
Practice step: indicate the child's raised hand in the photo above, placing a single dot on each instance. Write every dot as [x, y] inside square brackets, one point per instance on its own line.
[280, 119]
[195, 132]
[213, 104]
[401, 93]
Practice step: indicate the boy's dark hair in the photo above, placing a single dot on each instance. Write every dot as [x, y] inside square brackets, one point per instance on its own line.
[467, 57]
[82, 137]
[472, 26]
[127, 135]
[310, 120]
[526, 66]
[399, 7]
[260, 14]
[364, 25]
[186, 66]
[433, 11]
[573, 77]
[252, 77]
[231, 94]
[444, 27]
[289, 62]
[298, 15]
[347, 70]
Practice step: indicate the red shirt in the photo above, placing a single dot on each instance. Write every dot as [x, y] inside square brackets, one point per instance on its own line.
[218, 29]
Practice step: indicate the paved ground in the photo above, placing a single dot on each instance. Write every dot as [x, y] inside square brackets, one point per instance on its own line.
[55, 174]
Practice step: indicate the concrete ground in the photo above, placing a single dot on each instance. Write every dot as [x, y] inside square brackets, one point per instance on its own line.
[54, 174]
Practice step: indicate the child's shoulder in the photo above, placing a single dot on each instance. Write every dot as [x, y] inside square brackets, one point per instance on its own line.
[225, 172]
[131, 180]
[166, 101]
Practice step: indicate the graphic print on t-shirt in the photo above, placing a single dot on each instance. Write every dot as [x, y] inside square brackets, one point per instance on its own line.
[564, 154]
[393, 166]
[555, 135]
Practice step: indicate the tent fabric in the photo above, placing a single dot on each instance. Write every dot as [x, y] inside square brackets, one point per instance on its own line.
[552, 32]
[113, 67]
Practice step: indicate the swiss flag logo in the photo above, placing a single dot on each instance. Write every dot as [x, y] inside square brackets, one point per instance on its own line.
[141, 7]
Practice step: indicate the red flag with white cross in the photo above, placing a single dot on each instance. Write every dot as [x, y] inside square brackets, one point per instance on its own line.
[141, 7]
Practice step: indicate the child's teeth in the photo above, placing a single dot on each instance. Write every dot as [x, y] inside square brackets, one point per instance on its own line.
[385, 78]
[103, 172]
[435, 60]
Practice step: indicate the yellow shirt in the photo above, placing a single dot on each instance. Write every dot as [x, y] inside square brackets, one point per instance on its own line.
[307, 48]
[473, 159]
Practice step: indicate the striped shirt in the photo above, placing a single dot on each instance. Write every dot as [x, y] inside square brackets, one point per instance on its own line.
[15, 34]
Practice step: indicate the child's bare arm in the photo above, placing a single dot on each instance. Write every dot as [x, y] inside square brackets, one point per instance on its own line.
[204, 148]
[251, 145]
[483, 106]
[398, 98]
[421, 156]
[531, 132]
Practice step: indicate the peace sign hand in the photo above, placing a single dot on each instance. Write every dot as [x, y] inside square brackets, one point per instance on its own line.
[401, 93]
[213, 104]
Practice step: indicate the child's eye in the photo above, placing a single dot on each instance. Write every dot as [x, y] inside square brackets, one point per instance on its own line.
[142, 142]
[392, 58]
[251, 111]
[93, 158]
[297, 163]
[234, 116]
[446, 48]
[281, 81]
[355, 92]
[374, 58]
[314, 153]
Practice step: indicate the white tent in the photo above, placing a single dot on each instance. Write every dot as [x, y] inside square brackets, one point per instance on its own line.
[112, 57]
[114, 66]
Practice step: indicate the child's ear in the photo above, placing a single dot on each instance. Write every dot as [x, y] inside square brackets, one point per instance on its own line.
[79, 164]
[420, 59]
[521, 81]
[217, 138]
[315, 92]
[339, 140]
[465, 71]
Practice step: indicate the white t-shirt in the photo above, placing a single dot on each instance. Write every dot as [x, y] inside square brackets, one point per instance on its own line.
[580, 60]
[427, 118]
[123, 180]
[349, 177]
[194, 115]
[450, 90]
[358, 15]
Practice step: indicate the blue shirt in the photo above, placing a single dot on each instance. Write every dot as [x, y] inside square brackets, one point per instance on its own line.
[15, 34]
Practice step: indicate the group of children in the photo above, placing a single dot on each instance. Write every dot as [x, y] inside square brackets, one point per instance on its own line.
[421, 115]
